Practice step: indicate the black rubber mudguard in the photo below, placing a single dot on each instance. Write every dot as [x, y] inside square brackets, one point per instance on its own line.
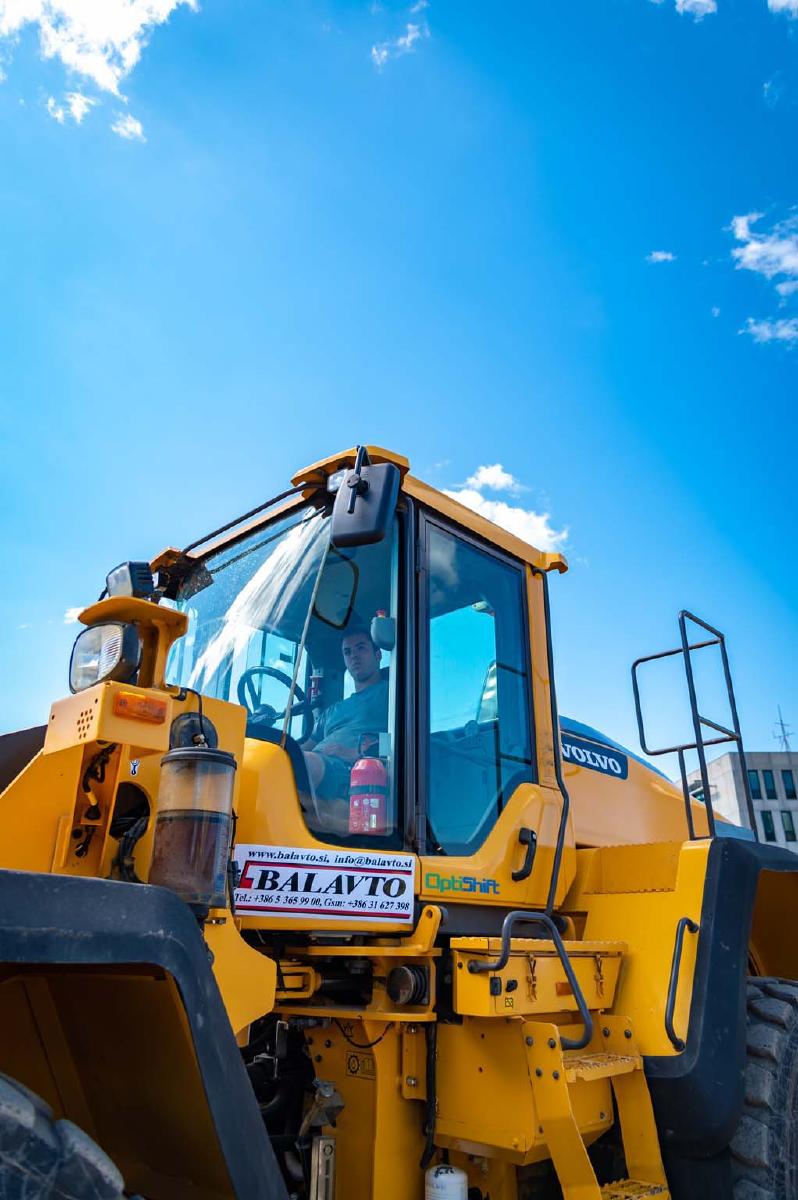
[57, 919]
[698, 1094]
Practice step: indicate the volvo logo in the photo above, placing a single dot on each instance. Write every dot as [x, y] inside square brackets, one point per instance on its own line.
[595, 757]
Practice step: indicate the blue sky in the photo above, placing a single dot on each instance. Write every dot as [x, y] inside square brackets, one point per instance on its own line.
[518, 234]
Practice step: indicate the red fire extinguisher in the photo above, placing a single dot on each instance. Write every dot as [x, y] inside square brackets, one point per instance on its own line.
[368, 797]
[316, 686]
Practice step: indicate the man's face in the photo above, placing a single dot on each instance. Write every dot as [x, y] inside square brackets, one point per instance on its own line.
[361, 656]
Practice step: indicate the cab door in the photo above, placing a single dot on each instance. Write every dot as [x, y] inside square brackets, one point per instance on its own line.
[490, 827]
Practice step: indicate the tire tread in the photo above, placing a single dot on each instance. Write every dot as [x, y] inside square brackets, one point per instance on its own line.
[46, 1159]
[768, 1130]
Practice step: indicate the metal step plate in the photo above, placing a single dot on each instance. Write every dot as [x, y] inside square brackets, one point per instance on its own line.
[631, 1189]
[599, 1066]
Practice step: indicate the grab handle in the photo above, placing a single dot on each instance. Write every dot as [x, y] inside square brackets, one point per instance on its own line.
[528, 838]
[670, 1007]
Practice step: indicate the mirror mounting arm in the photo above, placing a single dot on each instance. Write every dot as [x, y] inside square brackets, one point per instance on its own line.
[358, 485]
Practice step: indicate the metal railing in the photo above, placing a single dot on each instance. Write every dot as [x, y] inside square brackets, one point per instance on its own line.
[700, 723]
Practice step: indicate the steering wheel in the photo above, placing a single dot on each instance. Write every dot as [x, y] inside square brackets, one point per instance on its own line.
[266, 714]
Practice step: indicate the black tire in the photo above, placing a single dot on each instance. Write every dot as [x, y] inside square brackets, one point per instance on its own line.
[764, 1149]
[45, 1159]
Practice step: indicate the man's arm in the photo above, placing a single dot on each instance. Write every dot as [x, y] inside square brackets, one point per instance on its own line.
[316, 735]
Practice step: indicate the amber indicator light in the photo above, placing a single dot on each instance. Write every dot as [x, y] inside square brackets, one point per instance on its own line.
[140, 708]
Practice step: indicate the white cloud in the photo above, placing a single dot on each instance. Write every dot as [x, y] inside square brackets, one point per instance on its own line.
[71, 615]
[419, 6]
[532, 527]
[715, 310]
[75, 105]
[101, 40]
[703, 8]
[405, 44]
[494, 478]
[773, 88]
[770, 254]
[660, 256]
[785, 329]
[407, 41]
[79, 105]
[697, 8]
[128, 127]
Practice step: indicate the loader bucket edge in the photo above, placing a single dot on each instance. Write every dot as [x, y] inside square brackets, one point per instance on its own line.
[81, 924]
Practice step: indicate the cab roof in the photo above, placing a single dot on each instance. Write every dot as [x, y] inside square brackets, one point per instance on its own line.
[311, 478]
[317, 473]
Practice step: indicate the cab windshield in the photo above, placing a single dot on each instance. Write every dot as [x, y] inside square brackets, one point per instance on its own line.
[303, 636]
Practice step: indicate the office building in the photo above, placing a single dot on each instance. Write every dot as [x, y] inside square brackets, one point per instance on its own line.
[772, 778]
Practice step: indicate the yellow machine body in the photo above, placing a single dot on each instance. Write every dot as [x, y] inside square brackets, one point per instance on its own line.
[509, 1093]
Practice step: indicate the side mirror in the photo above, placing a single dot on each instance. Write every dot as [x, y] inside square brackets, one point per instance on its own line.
[365, 503]
[383, 631]
[335, 597]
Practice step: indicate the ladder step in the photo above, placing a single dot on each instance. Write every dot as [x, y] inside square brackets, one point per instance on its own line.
[632, 1189]
[600, 1066]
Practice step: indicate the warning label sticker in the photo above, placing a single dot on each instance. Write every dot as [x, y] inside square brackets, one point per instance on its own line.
[360, 1065]
[347, 885]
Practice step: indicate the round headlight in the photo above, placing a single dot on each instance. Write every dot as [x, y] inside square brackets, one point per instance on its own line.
[108, 651]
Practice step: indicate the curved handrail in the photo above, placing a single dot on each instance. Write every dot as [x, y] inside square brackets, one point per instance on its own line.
[685, 923]
[477, 967]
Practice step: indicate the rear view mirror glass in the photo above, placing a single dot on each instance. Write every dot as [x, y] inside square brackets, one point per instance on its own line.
[373, 504]
[337, 589]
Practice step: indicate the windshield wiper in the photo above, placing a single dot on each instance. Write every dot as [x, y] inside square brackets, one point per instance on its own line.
[253, 512]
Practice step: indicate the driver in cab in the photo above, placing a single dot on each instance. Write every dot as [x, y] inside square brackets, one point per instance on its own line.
[334, 744]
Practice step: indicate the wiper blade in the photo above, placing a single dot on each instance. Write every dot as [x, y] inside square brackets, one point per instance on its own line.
[253, 512]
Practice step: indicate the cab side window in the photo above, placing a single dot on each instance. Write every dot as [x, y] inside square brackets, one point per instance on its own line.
[479, 737]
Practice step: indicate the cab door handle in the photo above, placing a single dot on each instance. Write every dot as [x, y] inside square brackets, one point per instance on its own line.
[528, 838]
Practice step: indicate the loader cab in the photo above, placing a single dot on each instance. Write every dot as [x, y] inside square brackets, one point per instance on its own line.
[448, 600]
[270, 617]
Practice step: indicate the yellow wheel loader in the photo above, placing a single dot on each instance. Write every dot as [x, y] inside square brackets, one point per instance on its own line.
[307, 890]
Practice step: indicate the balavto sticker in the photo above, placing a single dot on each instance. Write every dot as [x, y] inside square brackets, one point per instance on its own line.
[288, 881]
[594, 756]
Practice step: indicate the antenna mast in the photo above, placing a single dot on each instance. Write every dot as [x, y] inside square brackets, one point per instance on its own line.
[783, 733]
